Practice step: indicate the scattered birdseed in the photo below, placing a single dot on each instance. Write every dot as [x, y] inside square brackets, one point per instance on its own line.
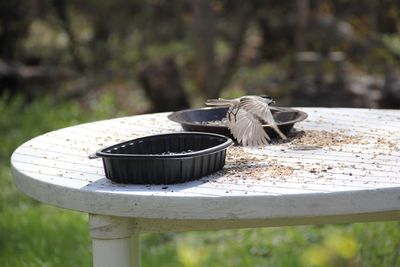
[309, 140]
[251, 165]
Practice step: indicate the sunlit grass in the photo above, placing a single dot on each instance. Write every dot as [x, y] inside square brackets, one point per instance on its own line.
[40, 235]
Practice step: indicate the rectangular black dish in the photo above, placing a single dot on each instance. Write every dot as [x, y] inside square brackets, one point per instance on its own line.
[165, 158]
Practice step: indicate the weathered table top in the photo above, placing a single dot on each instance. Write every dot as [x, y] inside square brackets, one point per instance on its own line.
[339, 162]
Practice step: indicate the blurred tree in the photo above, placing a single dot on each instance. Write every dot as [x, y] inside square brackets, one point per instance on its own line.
[15, 19]
[207, 39]
[162, 83]
[212, 74]
[62, 13]
[277, 22]
[204, 42]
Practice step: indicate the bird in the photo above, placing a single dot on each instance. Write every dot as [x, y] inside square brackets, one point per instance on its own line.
[245, 118]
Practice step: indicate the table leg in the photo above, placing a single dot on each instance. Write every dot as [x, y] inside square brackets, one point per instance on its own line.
[135, 250]
[115, 241]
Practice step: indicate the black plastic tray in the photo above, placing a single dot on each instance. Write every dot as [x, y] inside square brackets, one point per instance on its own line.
[165, 158]
[193, 120]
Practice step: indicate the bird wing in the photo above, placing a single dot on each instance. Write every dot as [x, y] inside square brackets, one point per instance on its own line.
[256, 106]
[245, 127]
[260, 109]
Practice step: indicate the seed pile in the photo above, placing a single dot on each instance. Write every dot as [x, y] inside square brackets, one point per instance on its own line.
[168, 153]
[223, 122]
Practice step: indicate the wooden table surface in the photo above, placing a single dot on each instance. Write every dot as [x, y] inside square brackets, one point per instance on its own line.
[339, 165]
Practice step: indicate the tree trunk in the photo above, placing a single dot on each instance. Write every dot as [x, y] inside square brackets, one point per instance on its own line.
[62, 13]
[204, 38]
[302, 21]
[212, 76]
[243, 12]
[162, 83]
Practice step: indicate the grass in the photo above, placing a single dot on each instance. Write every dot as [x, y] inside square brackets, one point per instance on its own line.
[35, 234]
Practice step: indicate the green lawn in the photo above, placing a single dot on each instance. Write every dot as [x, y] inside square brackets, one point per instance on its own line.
[34, 234]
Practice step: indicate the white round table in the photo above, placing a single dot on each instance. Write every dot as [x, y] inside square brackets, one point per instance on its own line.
[344, 167]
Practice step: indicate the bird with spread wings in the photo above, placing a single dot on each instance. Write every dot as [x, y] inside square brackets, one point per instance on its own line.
[245, 117]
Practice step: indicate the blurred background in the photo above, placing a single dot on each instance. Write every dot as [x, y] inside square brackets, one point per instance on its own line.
[66, 62]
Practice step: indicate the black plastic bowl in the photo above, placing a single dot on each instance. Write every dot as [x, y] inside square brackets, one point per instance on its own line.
[165, 158]
[195, 120]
